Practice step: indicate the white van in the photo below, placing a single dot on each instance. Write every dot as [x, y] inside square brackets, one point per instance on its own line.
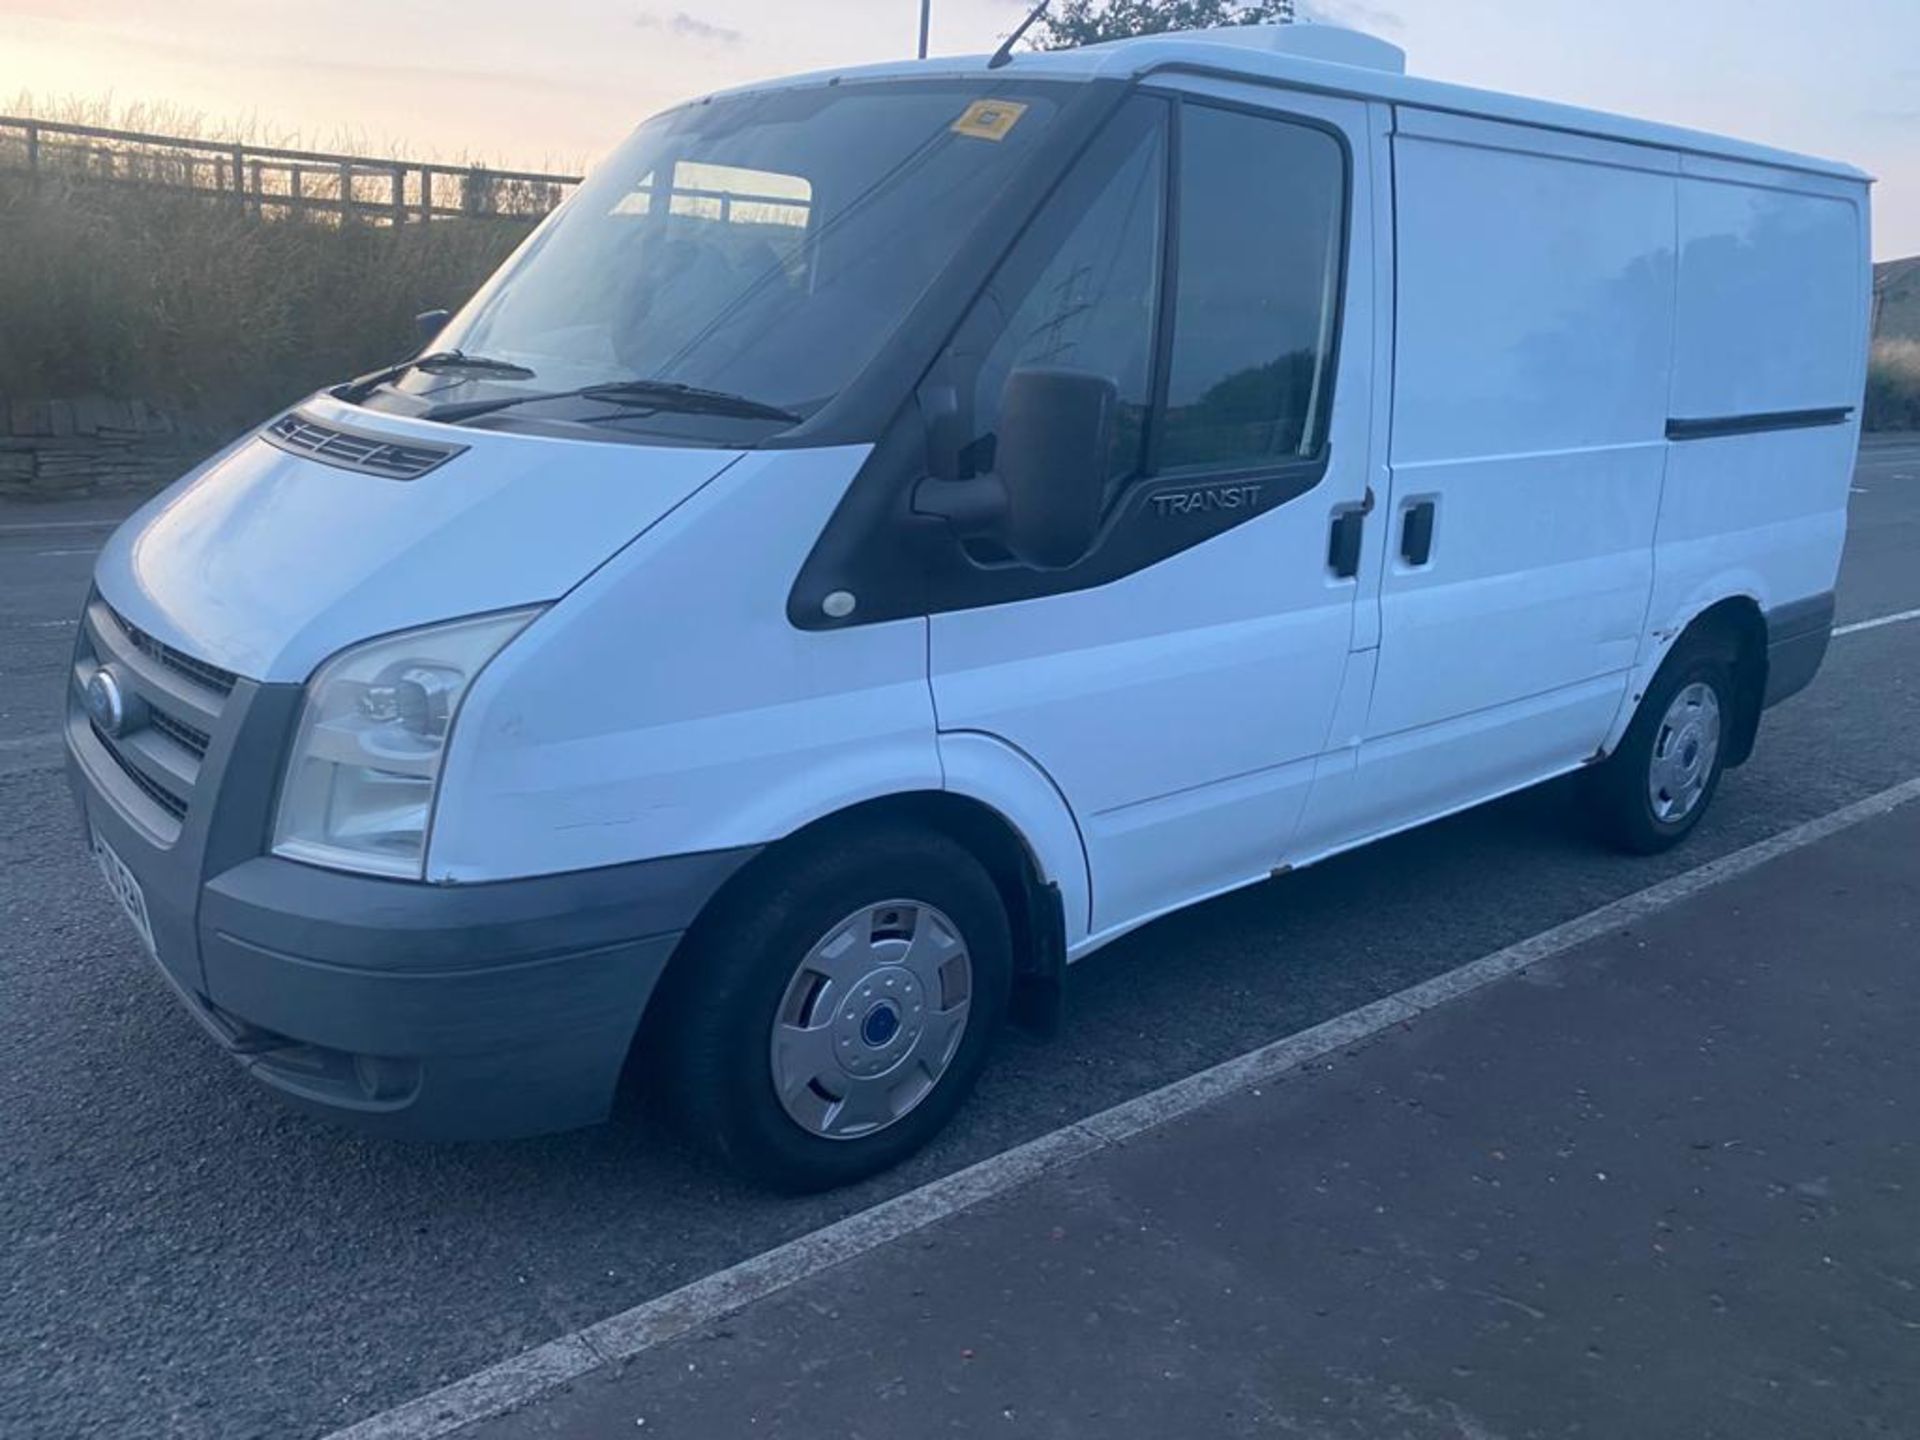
[892, 532]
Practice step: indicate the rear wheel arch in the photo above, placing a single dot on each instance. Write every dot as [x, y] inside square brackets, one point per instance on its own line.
[1733, 626]
[1737, 628]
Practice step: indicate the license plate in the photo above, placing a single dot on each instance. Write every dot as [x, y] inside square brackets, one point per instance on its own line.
[125, 889]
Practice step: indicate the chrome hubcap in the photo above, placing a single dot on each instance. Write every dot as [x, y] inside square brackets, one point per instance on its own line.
[871, 1019]
[1684, 753]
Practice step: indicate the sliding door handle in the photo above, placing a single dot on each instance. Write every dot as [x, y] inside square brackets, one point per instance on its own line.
[1416, 533]
[1343, 541]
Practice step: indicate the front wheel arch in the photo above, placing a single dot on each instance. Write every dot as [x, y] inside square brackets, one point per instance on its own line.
[1032, 903]
[711, 1044]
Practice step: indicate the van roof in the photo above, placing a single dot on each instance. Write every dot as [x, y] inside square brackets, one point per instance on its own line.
[1217, 51]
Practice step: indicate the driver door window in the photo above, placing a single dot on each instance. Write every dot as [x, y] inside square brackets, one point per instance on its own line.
[1082, 291]
[1261, 226]
[1231, 373]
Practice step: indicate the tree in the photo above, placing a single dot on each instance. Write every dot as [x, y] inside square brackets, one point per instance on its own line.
[1088, 22]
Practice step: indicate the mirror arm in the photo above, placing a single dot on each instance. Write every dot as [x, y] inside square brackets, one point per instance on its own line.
[940, 412]
[429, 323]
[972, 507]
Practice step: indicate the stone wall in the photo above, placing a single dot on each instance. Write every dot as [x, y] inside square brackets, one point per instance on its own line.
[61, 448]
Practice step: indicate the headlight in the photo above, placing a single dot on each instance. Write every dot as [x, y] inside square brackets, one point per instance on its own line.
[366, 758]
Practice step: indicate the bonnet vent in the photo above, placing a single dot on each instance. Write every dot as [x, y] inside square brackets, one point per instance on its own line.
[370, 454]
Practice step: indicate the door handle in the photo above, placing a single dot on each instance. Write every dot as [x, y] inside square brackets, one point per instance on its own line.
[1416, 533]
[1343, 541]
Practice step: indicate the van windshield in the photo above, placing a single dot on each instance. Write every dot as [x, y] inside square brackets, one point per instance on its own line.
[762, 245]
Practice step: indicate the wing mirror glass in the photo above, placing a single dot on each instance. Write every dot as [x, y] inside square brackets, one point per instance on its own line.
[1042, 501]
[429, 323]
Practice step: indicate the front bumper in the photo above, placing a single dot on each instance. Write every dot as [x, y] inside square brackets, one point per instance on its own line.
[427, 1011]
[468, 1012]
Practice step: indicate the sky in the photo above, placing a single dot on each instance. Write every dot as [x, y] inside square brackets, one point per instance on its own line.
[553, 84]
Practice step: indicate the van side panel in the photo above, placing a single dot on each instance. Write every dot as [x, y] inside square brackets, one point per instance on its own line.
[1772, 315]
[1532, 365]
[1771, 332]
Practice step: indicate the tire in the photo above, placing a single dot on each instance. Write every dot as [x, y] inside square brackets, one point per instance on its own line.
[1683, 727]
[837, 962]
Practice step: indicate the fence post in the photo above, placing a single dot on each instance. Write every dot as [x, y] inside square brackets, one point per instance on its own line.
[33, 146]
[426, 192]
[476, 191]
[346, 192]
[297, 190]
[240, 175]
[258, 193]
[399, 195]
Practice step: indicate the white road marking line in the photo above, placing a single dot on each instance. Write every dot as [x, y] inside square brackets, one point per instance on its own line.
[90, 550]
[517, 1381]
[1875, 624]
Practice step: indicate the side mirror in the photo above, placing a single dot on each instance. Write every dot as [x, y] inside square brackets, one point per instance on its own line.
[1043, 502]
[429, 323]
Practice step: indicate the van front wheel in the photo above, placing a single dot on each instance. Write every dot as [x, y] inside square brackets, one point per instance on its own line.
[1653, 789]
[834, 1018]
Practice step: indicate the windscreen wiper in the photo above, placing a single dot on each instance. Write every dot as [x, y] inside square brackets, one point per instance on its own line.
[437, 360]
[638, 394]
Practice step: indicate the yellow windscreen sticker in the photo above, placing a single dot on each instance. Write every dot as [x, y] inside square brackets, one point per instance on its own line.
[989, 119]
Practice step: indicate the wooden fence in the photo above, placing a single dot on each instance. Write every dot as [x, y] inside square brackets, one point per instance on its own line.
[277, 182]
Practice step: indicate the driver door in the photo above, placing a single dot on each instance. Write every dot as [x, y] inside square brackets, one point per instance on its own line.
[1213, 258]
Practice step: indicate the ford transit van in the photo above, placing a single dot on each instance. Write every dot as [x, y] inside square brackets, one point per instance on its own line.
[890, 533]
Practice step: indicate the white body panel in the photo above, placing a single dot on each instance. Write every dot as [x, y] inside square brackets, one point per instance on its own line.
[1771, 317]
[266, 563]
[668, 706]
[1535, 316]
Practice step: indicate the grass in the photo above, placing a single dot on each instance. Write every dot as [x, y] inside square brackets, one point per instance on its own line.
[198, 306]
[1893, 386]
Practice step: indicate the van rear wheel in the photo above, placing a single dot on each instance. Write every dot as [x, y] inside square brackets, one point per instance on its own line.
[1650, 793]
[831, 1021]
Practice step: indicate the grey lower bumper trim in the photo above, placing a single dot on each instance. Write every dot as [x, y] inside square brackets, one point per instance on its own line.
[394, 926]
[1797, 636]
[443, 1012]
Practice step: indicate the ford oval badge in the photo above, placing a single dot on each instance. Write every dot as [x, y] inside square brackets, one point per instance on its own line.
[105, 702]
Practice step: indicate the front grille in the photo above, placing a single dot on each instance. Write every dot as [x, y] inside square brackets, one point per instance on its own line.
[174, 805]
[199, 671]
[186, 736]
[369, 454]
[173, 708]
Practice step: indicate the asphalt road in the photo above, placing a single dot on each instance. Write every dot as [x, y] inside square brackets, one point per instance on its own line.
[1658, 1185]
[181, 1256]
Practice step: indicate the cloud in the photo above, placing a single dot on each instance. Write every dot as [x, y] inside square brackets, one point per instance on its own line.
[689, 27]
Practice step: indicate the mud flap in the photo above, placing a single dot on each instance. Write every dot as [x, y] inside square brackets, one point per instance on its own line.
[1038, 1002]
